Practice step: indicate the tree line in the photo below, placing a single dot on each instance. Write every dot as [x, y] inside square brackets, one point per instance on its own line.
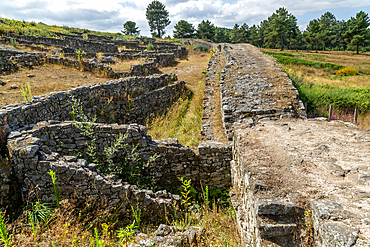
[280, 30]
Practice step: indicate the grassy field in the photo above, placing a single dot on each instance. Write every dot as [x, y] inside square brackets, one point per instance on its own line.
[33, 28]
[316, 75]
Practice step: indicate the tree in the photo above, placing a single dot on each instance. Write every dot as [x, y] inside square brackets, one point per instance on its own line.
[244, 33]
[129, 28]
[206, 30]
[234, 34]
[281, 23]
[157, 17]
[253, 35]
[357, 32]
[219, 36]
[183, 29]
[261, 28]
[312, 35]
[327, 23]
[340, 29]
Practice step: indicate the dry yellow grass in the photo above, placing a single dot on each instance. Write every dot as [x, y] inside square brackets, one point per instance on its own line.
[125, 64]
[183, 119]
[48, 78]
[70, 227]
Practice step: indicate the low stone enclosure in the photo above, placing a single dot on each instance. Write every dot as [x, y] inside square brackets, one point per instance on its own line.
[37, 146]
[163, 55]
[104, 45]
[11, 60]
[294, 181]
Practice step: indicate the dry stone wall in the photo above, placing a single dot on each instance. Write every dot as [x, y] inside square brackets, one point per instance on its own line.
[21, 59]
[57, 105]
[79, 181]
[254, 86]
[207, 164]
[37, 146]
[76, 44]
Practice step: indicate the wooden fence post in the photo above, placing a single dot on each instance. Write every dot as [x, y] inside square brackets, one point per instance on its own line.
[355, 115]
[305, 107]
[330, 111]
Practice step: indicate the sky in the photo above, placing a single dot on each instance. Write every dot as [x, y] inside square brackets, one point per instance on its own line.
[109, 15]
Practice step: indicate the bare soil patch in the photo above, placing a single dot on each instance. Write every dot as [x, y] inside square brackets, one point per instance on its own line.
[47, 78]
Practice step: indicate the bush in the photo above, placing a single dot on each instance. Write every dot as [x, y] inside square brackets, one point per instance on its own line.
[2, 31]
[347, 71]
[121, 38]
[279, 53]
[201, 48]
[297, 61]
[150, 47]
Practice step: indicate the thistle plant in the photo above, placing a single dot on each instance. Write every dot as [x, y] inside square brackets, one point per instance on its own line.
[25, 91]
[125, 234]
[5, 237]
[136, 214]
[55, 187]
[13, 42]
[150, 47]
[80, 55]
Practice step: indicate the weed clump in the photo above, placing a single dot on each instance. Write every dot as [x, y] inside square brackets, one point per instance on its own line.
[150, 47]
[201, 48]
[347, 71]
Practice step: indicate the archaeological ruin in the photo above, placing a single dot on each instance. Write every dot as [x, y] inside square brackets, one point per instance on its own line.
[258, 142]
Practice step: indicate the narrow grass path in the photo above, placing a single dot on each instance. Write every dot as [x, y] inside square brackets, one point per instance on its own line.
[183, 120]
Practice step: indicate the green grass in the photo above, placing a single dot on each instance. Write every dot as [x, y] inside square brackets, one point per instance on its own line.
[37, 29]
[319, 95]
[279, 54]
[288, 58]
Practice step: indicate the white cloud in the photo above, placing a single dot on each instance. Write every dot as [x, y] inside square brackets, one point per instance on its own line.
[109, 15]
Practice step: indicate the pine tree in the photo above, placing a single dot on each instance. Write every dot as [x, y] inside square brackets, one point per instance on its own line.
[129, 28]
[157, 17]
[206, 30]
[327, 23]
[183, 29]
[253, 35]
[312, 33]
[280, 24]
[234, 34]
[357, 32]
[219, 36]
[244, 33]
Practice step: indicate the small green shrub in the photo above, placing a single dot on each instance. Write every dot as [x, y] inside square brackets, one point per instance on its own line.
[150, 47]
[13, 42]
[201, 48]
[121, 38]
[5, 237]
[126, 234]
[25, 91]
[297, 61]
[55, 187]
